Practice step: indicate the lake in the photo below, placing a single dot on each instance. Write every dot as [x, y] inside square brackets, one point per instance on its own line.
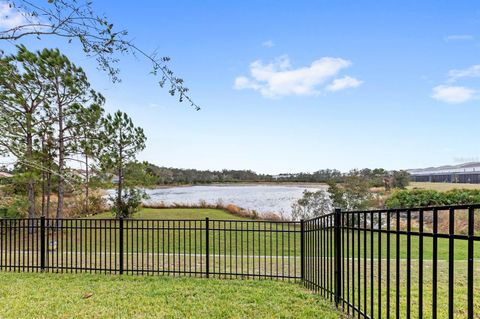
[262, 198]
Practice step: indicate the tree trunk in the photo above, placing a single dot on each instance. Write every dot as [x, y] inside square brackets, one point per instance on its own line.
[120, 181]
[119, 191]
[43, 193]
[61, 162]
[31, 198]
[44, 174]
[30, 183]
[87, 189]
[49, 192]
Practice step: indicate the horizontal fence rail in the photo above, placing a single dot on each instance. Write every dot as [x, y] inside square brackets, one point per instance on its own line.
[202, 248]
[405, 263]
[400, 263]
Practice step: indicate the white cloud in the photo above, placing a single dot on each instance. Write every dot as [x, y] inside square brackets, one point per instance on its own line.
[268, 44]
[459, 37]
[278, 78]
[11, 18]
[453, 94]
[470, 72]
[343, 83]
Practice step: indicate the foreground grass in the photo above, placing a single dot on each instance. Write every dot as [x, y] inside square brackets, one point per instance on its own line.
[102, 296]
[460, 295]
[442, 187]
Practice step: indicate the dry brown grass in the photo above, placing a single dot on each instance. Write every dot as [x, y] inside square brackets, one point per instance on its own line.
[442, 187]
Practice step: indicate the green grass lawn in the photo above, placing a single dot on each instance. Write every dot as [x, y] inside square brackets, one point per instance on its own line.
[460, 288]
[160, 243]
[176, 213]
[460, 247]
[26, 295]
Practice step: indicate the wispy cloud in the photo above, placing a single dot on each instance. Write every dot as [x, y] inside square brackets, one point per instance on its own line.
[278, 78]
[343, 83]
[10, 17]
[453, 94]
[459, 37]
[268, 44]
[470, 72]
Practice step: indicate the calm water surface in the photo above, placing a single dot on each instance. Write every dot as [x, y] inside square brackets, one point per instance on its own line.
[262, 198]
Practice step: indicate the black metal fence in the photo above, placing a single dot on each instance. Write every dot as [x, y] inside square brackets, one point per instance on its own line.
[222, 248]
[413, 263]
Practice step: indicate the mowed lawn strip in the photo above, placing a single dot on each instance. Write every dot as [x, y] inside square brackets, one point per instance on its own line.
[39, 295]
[461, 246]
[269, 238]
[267, 241]
[176, 213]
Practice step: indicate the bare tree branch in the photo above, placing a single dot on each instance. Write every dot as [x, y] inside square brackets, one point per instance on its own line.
[75, 19]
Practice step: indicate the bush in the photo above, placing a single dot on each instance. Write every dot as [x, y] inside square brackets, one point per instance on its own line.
[15, 206]
[75, 205]
[130, 202]
[312, 204]
[420, 198]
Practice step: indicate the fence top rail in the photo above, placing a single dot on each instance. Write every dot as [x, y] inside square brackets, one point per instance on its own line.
[423, 208]
[256, 220]
[394, 210]
[320, 217]
[155, 220]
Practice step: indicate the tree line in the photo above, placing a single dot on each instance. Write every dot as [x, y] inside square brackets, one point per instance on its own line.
[50, 118]
[152, 174]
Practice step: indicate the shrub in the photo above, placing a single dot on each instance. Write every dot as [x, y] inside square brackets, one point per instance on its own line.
[16, 206]
[420, 198]
[130, 202]
[312, 204]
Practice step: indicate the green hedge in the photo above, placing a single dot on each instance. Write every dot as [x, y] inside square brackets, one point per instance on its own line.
[419, 198]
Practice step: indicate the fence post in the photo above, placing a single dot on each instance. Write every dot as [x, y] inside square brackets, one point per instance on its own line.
[121, 245]
[302, 249]
[337, 255]
[42, 243]
[207, 248]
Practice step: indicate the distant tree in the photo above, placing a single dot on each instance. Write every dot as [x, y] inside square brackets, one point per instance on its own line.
[47, 155]
[22, 96]
[312, 204]
[353, 194]
[77, 20]
[71, 103]
[400, 179]
[89, 143]
[121, 143]
[139, 174]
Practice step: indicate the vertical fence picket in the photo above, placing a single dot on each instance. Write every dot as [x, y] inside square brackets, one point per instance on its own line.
[451, 256]
[336, 253]
[435, 264]
[337, 256]
[207, 247]
[120, 247]
[470, 276]
[42, 245]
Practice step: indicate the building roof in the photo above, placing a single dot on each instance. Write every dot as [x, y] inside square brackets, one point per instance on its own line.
[472, 167]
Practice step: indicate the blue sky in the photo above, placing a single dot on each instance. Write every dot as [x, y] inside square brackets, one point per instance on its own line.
[288, 86]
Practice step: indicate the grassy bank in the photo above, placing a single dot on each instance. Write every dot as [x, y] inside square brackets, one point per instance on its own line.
[441, 187]
[101, 296]
[176, 213]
